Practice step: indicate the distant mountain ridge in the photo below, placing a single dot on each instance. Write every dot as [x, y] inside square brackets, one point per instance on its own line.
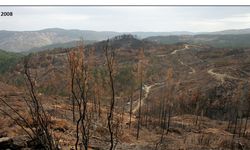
[233, 31]
[19, 41]
[59, 45]
[215, 40]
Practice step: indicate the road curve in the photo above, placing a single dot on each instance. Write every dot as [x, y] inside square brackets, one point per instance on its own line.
[222, 77]
[147, 89]
[186, 47]
[191, 68]
[177, 50]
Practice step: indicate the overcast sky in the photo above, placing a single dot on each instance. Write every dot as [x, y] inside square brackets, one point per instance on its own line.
[127, 19]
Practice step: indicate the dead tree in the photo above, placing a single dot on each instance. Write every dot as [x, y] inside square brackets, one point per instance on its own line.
[140, 79]
[98, 90]
[163, 118]
[131, 108]
[110, 62]
[165, 113]
[132, 88]
[72, 59]
[197, 105]
[80, 87]
[244, 107]
[169, 96]
[39, 129]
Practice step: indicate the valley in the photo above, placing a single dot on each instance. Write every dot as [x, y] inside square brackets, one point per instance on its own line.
[194, 96]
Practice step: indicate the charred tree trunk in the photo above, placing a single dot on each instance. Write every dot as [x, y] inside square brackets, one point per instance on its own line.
[131, 109]
[73, 110]
[109, 54]
[169, 118]
[139, 113]
[164, 125]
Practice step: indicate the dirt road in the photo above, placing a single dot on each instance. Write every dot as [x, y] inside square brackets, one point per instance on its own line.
[221, 77]
[186, 47]
[191, 68]
[177, 50]
[147, 89]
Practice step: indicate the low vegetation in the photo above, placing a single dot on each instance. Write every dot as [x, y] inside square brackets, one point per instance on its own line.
[8, 60]
[126, 93]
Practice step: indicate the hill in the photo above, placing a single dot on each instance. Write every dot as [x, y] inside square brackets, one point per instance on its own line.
[215, 40]
[8, 60]
[193, 96]
[19, 41]
[70, 44]
[233, 31]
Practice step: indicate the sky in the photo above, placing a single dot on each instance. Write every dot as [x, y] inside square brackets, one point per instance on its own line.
[127, 19]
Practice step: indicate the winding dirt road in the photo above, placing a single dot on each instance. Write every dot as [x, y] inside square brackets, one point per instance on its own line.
[186, 47]
[147, 89]
[191, 68]
[217, 76]
[177, 50]
[222, 77]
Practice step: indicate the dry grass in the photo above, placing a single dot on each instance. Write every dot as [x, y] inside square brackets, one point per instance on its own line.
[183, 134]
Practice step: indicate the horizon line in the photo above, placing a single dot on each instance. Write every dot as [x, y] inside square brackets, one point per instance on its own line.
[121, 31]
